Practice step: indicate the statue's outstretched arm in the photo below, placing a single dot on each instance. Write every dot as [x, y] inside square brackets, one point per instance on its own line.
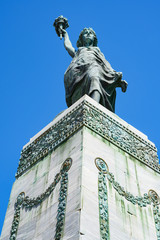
[67, 44]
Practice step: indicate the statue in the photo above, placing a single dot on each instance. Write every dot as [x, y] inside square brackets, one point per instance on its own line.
[89, 72]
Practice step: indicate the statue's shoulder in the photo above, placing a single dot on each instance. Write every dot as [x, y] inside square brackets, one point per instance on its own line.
[79, 50]
[98, 49]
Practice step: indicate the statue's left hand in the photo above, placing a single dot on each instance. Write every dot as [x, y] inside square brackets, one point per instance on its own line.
[124, 85]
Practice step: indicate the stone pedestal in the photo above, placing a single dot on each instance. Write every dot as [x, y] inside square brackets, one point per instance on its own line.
[87, 175]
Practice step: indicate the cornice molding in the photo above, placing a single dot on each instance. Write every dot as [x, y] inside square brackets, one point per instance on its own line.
[88, 115]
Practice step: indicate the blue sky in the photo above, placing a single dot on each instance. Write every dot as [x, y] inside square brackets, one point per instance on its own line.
[33, 61]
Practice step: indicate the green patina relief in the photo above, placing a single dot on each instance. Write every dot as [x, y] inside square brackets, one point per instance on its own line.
[103, 199]
[62, 199]
[150, 198]
[27, 203]
[103, 207]
[16, 218]
[156, 211]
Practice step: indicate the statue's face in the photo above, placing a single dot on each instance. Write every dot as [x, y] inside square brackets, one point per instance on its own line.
[88, 37]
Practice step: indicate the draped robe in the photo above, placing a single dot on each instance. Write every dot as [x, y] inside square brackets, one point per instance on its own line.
[89, 71]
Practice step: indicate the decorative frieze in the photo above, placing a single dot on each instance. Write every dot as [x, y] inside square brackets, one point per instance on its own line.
[16, 217]
[155, 199]
[48, 141]
[121, 136]
[86, 114]
[62, 199]
[61, 206]
[147, 199]
[103, 200]
[28, 203]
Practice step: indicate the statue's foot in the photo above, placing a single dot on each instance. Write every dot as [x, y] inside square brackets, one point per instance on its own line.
[124, 85]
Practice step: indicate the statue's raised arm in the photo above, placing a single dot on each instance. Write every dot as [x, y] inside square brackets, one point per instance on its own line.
[89, 72]
[67, 44]
[60, 25]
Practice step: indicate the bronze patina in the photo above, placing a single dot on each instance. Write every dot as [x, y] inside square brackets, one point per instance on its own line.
[89, 72]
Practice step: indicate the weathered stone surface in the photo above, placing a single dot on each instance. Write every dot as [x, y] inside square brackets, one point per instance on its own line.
[126, 220]
[83, 142]
[40, 221]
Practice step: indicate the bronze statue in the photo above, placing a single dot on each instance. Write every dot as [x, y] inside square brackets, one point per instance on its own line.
[89, 72]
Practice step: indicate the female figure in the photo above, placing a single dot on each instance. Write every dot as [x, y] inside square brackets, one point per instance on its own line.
[90, 73]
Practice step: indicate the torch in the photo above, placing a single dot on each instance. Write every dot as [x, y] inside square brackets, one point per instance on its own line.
[59, 24]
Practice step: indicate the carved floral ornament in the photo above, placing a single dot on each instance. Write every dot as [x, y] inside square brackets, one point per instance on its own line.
[104, 174]
[24, 202]
[147, 199]
[153, 196]
[101, 165]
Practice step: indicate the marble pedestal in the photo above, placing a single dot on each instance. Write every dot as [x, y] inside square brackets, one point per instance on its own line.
[87, 175]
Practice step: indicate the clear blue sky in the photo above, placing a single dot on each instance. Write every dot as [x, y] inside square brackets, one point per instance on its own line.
[33, 61]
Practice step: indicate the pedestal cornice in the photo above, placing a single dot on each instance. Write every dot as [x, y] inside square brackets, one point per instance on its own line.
[88, 113]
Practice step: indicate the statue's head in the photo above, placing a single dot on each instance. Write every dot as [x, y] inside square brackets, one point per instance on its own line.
[87, 35]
